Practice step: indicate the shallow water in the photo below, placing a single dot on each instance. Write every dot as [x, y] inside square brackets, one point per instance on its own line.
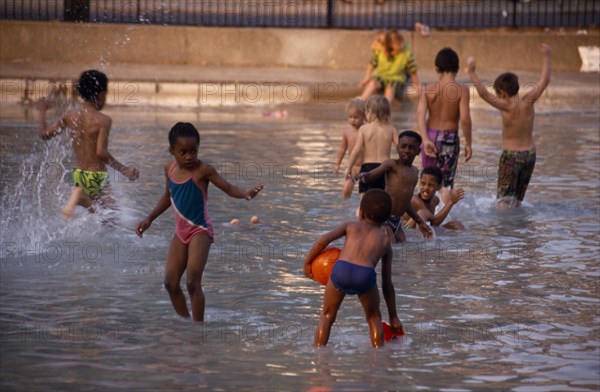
[510, 304]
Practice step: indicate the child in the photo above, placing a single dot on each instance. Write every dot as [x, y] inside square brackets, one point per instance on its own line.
[187, 180]
[380, 48]
[400, 180]
[354, 273]
[356, 118]
[426, 201]
[442, 107]
[374, 141]
[89, 130]
[518, 157]
[391, 68]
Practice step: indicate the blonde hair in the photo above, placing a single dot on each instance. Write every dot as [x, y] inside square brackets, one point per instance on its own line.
[379, 107]
[356, 104]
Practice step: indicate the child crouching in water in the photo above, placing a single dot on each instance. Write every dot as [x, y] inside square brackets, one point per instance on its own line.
[187, 180]
[367, 241]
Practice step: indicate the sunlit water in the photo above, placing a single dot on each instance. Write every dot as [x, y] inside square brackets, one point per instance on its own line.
[510, 304]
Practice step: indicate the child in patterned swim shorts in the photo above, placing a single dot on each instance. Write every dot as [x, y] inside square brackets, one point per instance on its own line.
[89, 130]
[518, 157]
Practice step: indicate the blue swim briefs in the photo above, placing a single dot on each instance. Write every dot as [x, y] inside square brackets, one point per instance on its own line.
[352, 278]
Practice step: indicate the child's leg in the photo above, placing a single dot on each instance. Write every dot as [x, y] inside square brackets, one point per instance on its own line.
[347, 188]
[370, 89]
[370, 303]
[68, 209]
[389, 92]
[197, 257]
[331, 304]
[176, 263]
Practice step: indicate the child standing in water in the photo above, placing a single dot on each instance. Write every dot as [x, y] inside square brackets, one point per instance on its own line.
[374, 141]
[366, 242]
[187, 180]
[518, 156]
[356, 118]
[89, 130]
[442, 107]
[400, 180]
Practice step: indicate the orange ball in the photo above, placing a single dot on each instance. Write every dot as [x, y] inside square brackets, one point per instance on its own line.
[323, 264]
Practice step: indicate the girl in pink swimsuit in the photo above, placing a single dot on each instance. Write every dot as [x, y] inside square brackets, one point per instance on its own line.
[187, 180]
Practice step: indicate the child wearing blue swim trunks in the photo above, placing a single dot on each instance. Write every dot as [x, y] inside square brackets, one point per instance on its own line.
[366, 242]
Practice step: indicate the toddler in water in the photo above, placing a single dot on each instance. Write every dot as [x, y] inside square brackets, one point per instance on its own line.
[187, 180]
[356, 118]
[374, 141]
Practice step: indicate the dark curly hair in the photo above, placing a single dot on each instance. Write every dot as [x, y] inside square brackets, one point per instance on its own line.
[376, 205]
[91, 83]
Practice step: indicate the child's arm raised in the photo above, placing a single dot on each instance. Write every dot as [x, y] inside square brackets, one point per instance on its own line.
[540, 86]
[321, 243]
[211, 174]
[387, 287]
[450, 198]
[493, 100]
[102, 152]
[44, 130]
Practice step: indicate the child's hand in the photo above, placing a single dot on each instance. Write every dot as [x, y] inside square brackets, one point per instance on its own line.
[142, 226]
[545, 49]
[425, 230]
[396, 324]
[471, 64]
[430, 149]
[468, 153]
[360, 177]
[308, 271]
[253, 192]
[336, 170]
[43, 104]
[458, 195]
[131, 172]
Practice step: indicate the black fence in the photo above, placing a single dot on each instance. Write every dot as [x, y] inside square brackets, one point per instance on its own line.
[346, 14]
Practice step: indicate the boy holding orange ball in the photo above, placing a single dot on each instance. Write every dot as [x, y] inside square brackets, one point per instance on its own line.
[367, 241]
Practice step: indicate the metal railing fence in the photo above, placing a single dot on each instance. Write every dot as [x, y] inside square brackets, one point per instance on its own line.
[346, 14]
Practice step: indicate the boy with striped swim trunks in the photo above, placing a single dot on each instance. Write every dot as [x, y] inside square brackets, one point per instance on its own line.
[89, 130]
[518, 156]
[442, 107]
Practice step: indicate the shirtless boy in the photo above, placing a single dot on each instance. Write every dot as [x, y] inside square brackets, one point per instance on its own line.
[518, 156]
[442, 107]
[400, 180]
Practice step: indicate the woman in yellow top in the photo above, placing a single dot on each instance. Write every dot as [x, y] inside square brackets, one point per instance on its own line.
[391, 69]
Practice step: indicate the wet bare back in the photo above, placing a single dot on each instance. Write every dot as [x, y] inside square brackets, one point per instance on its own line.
[89, 131]
[377, 139]
[443, 100]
